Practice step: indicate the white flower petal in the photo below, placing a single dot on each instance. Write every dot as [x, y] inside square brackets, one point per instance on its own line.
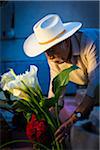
[29, 78]
[16, 92]
[5, 78]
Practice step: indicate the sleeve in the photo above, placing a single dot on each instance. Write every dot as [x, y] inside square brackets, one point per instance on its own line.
[93, 69]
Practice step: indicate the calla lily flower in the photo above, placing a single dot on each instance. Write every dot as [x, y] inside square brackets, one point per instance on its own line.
[5, 79]
[9, 82]
[35, 105]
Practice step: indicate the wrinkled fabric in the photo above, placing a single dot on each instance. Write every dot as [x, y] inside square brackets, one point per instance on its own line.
[85, 54]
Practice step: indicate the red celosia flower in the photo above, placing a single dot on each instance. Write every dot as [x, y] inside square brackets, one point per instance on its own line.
[38, 130]
[33, 118]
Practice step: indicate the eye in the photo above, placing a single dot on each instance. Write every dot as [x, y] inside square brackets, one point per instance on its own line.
[50, 52]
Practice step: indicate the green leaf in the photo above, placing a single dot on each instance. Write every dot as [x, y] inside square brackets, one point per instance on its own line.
[58, 92]
[62, 78]
[1, 89]
[27, 116]
[47, 102]
[22, 105]
[39, 91]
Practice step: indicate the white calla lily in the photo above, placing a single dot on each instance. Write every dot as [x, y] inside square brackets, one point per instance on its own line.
[29, 78]
[20, 94]
[5, 79]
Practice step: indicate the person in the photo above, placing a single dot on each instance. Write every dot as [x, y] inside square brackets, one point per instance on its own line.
[64, 45]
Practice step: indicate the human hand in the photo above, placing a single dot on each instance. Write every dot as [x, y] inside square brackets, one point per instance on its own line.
[52, 109]
[64, 130]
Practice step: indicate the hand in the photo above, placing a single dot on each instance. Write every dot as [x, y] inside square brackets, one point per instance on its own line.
[64, 130]
[52, 109]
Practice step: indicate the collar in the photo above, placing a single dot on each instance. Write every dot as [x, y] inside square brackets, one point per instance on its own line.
[75, 45]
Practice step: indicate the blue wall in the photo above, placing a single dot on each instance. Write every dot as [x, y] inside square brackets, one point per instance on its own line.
[26, 15]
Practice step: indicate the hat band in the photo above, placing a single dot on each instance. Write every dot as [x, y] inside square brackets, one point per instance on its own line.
[53, 38]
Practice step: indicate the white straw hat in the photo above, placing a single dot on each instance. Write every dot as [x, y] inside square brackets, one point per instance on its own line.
[48, 32]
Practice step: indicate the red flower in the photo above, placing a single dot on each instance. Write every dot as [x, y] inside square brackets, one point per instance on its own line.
[38, 130]
[33, 118]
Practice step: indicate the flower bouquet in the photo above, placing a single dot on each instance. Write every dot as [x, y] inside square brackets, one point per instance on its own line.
[41, 125]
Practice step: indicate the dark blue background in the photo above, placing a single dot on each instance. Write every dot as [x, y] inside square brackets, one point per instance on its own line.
[26, 14]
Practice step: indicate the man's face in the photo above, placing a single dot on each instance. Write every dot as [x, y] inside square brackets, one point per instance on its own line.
[60, 52]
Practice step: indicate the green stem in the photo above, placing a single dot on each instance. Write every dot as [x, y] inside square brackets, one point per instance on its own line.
[58, 123]
[39, 107]
[26, 141]
[13, 73]
[57, 114]
[14, 141]
[37, 104]
[58, 146]
[61, 145]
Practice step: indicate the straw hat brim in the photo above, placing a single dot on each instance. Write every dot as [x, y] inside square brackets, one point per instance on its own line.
[32, 47]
